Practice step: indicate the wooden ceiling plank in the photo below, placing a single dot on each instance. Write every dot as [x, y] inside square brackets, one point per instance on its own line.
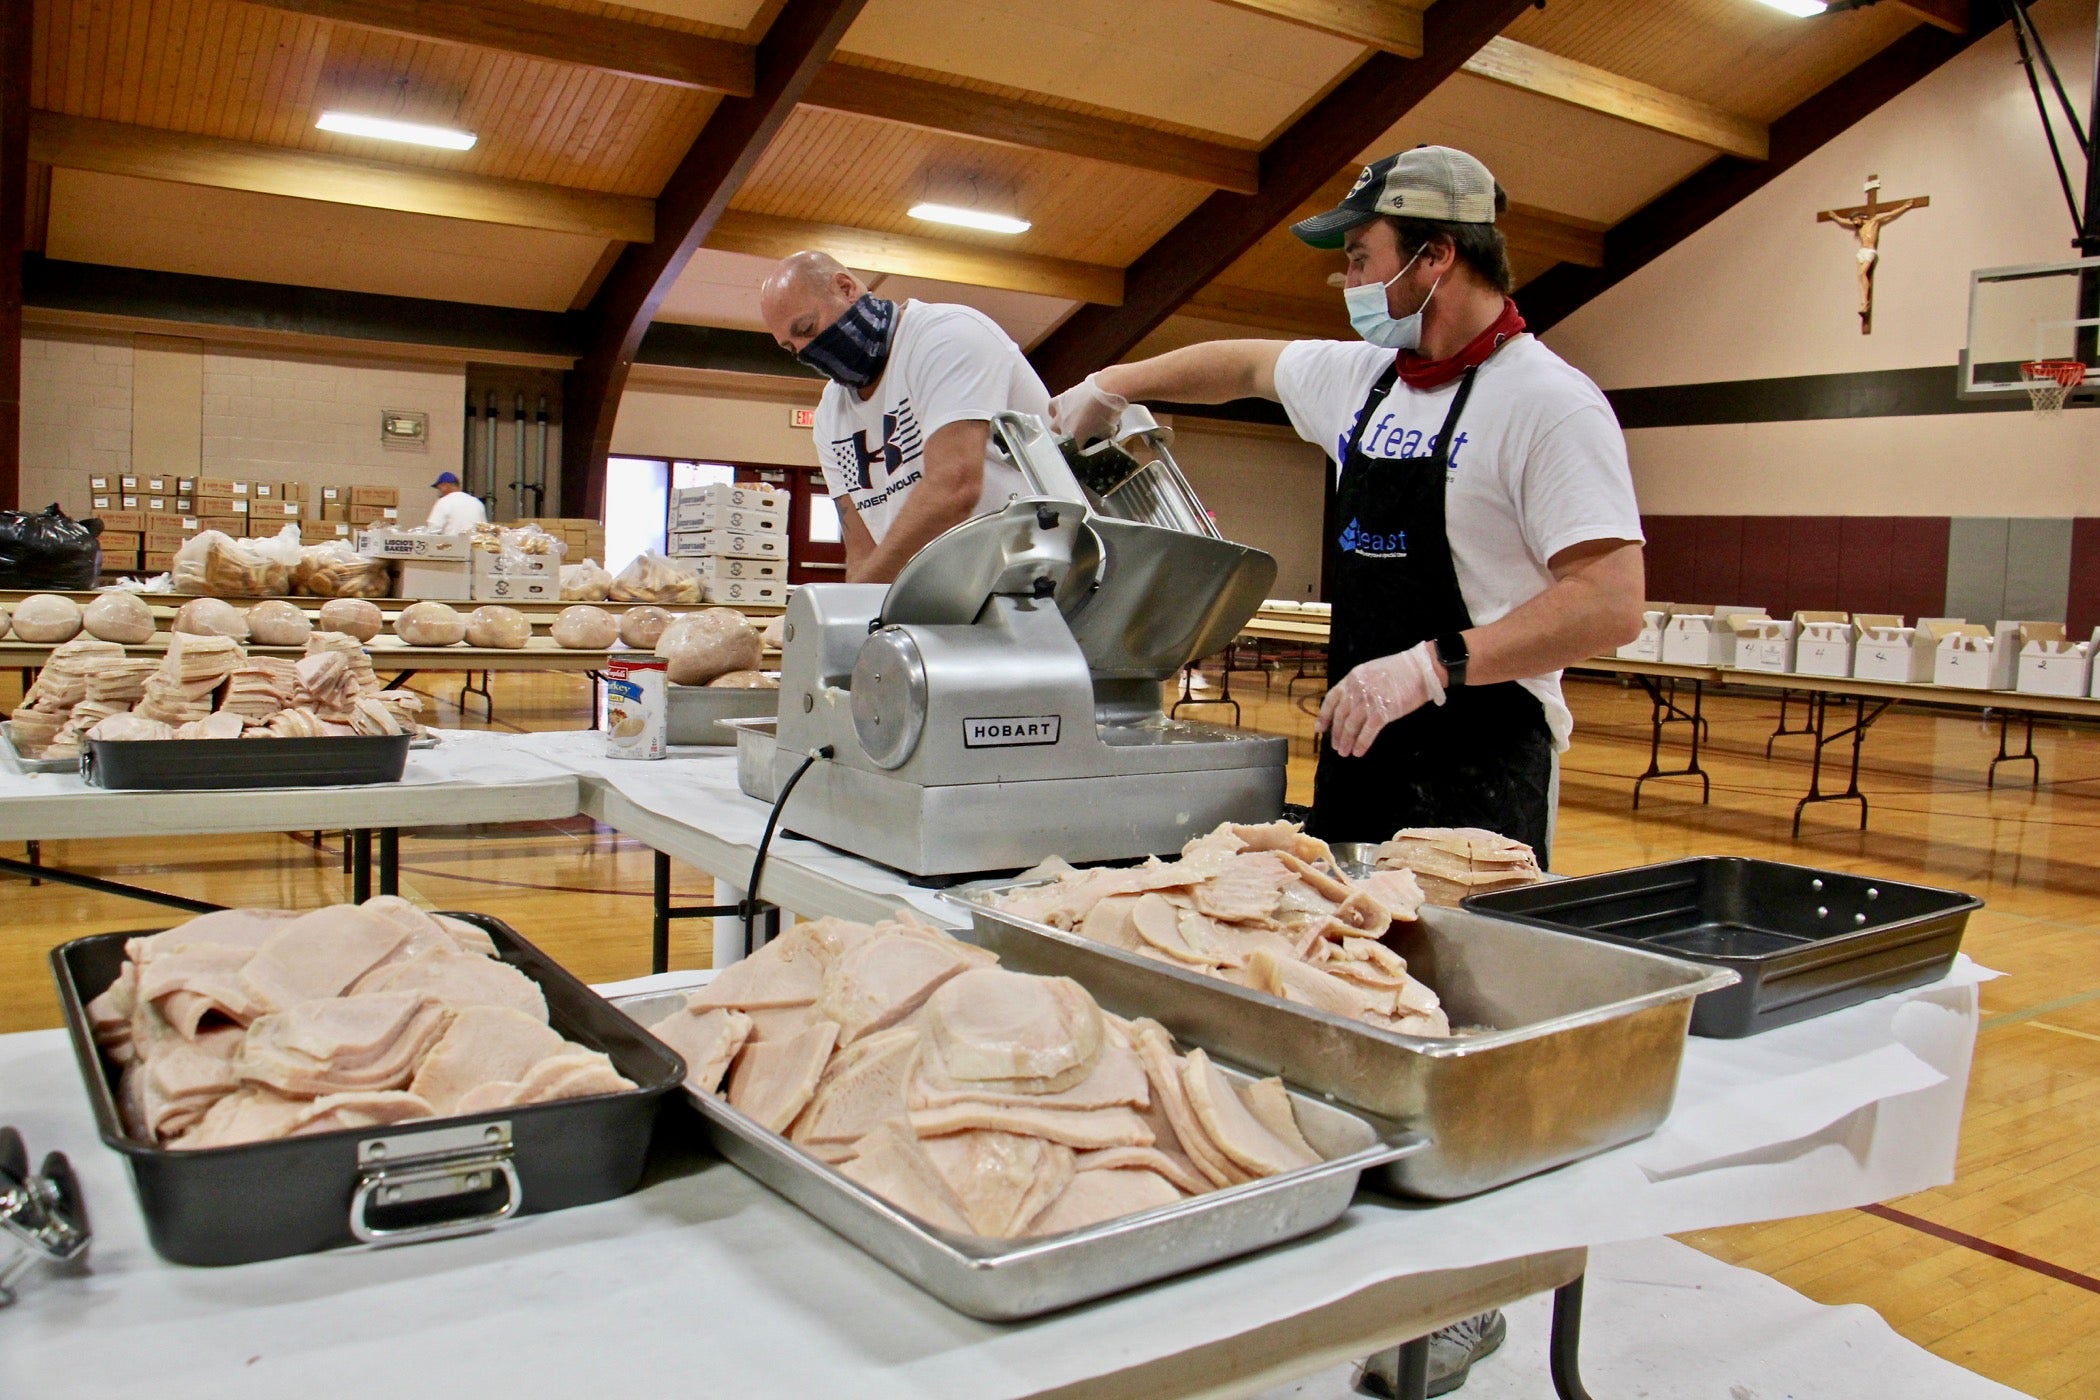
[798, 43]
[874, 250]
[1699, 199]
[1392, 26]
[1530, 69]
[957, 111]
[634, 50]
[1247, 306]
[1950, 15]
[112, 148]
[1331, 134]
[1532, 230]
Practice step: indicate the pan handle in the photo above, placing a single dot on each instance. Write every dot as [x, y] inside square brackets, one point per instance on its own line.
[410, 1182]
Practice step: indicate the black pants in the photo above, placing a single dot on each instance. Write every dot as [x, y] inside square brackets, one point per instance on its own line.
[1490, 767]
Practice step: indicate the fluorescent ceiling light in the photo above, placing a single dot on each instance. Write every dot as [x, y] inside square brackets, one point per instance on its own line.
[384, 129]
[1799, 9]
[970, 218]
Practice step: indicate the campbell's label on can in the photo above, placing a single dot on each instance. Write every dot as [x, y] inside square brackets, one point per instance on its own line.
[634, 707]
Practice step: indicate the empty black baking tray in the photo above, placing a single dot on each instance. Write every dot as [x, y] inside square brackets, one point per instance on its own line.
[204, 764]
[1805, 941]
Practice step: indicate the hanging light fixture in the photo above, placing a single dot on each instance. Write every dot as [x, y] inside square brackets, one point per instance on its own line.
[970, 201]
[387, 129]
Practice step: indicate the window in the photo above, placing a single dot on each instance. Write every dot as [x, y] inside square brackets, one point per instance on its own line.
[685, 474]
[824, 527]
[637, 497]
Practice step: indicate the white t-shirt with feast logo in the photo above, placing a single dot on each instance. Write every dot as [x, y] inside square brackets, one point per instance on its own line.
[1538, 464]
[947, 364]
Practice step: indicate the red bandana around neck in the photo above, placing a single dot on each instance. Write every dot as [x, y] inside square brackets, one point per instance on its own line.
[1418, 373]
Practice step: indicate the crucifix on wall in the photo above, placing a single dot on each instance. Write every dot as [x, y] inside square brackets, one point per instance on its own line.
[1865, 221]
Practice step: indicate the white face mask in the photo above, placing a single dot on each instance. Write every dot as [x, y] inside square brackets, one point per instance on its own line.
[1380, 327]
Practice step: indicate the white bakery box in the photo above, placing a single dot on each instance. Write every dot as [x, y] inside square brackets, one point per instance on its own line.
[696, 544]
[706, 515]
[1703, 636]
[435, 580]
[386, 543]
[1763, 644]
[2053, 665]
[766, 591]
[1965, 657]
[1647, 645]
[723, 496]
[1823, 643]
[1888, 651]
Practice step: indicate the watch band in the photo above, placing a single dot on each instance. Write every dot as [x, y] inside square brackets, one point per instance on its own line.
[1451, 652]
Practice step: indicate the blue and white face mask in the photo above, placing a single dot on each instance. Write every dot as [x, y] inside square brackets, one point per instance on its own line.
[1380, 327]
[852, 350]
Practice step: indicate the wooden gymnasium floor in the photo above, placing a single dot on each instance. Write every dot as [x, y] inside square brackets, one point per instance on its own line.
[1999, 1272]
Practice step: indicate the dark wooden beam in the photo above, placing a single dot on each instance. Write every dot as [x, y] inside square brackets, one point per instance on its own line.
[1950, 15]
[1332, 134]
[1036, 126]
[721, 158]
[1699, 199]
[647, 51]
[17, 17]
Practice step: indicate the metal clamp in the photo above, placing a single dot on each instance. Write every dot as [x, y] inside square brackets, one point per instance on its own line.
[42, 1214]
[411, 1168]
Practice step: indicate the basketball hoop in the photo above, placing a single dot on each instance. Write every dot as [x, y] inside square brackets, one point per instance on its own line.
[2050, 382]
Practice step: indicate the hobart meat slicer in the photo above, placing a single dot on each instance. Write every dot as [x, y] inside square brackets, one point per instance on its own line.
[1000, 702]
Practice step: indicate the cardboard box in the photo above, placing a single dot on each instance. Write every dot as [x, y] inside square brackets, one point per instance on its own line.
[300, 491]
[385, 543]
[336, 510]
[318, 530]
[373, 515]
[154, 563]
[264, 491]
[772, 592]
[714, 569]
[163, 541]
[1823, 642]
[334, 494]
[1902, 655]
[740, 496]
[1647, 646]
[1963, 657]
[215, 486]
[131, 503]
[128, 485]
[157, 485]
[699, 543]
[446, 580]
[173, 520]
[706, 515]
[212, 503]
[121, 542]
[101, 484]
[274, 511]
[99, 504]
[1695, 635]
[510, 588]
[185, 485]
[2054, 666]
[489, 563]
[2011, 639]
[185, 504]
[123, 520]
[374, 496]
[1762, 643]
[159, 505]
[234, 525]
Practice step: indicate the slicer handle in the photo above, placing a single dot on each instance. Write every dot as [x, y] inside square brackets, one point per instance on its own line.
[1034, 451]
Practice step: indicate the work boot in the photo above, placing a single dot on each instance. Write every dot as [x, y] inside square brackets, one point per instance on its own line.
[1452, 1353]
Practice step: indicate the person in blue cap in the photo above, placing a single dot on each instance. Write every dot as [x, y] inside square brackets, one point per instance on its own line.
[456, 513]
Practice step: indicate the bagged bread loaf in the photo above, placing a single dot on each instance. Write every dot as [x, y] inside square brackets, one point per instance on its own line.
[47, 617]
[211, 617]
[276, 623]
[744, 680]
[651, 578]
[701, 646]
[585, 583]
[118, 617]
[335, 570]
[233, 569]
[585, 628]
[498, 627]
[640, 627]
[357, 617]
[430, 625]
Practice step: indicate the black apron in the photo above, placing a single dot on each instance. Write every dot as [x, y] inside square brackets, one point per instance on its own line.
[1485, 756]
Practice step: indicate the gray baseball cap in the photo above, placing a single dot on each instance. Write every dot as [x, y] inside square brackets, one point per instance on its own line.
[1428, 182]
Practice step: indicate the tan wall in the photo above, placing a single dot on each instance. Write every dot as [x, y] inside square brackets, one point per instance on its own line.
[76, 416]
[664, 418]
[1766, 291]
[1263, 486]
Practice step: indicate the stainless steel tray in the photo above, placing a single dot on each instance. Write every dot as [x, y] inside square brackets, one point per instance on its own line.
[757, 740]
[1581, 1055]
[1002, 1280]
[693, 713]
[18, 764]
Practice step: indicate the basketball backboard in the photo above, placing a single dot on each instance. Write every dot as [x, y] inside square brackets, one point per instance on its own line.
[2040, 311]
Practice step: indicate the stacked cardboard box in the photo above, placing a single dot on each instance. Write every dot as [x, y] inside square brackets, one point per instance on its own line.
[581, 539]
[374, 505]
[715, 527]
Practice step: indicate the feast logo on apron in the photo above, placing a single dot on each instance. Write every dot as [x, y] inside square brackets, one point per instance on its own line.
[1372, 544]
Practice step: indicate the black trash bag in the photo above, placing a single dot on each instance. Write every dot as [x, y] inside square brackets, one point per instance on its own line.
[48, 552]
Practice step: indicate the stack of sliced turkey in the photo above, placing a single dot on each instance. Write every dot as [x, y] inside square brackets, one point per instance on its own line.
[982, 1101]
[1451, 862]
[206, 687]
[253, 1024]
[1264, 907]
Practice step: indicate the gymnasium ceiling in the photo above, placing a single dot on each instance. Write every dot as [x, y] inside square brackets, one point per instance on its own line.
[178, 136]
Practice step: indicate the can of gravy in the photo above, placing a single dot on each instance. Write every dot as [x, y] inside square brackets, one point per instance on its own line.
[634, 706]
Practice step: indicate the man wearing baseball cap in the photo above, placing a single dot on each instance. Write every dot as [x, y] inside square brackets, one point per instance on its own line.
[1484, 528]
[455, 512]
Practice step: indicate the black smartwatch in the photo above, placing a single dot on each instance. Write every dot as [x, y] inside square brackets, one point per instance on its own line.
[1451, 653]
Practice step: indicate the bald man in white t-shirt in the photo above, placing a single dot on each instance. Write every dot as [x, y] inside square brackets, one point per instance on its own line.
[903, 432]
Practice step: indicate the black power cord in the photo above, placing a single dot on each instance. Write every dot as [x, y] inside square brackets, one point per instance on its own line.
[747, 907]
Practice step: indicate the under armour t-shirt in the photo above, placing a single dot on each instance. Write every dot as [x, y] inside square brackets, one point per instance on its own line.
[947, 364]
[1538, 464]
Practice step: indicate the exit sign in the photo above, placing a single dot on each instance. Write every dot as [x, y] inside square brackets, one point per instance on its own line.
[802, 418]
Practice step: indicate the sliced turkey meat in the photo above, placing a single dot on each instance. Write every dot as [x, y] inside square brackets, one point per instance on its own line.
[318, 955]
[341, 1044]
[993, 1024]
[483, 1044]
[863, 1086]
[707, 1041]
[1002, 1180]
[881, 981]
[892, 1163]
[1226, 1121]
[773, 1080]
[1093, 1198]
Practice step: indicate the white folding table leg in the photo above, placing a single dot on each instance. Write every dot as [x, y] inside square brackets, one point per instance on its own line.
[730, 943]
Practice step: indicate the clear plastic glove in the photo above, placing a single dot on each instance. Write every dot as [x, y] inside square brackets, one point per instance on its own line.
[1375, 694]
[1086, 412]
